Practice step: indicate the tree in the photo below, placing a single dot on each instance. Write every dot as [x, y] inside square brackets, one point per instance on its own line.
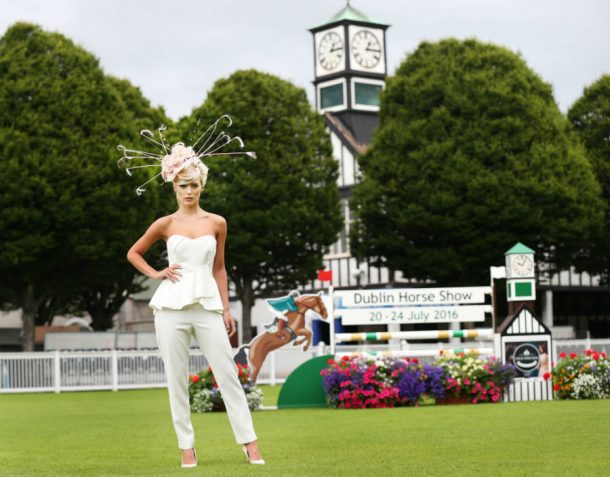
[65, 203]
[471, 156]
[109, 280]
[590, 118]
[282, 208]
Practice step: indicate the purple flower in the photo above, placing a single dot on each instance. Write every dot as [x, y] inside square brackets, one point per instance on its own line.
[434, 381]
[411, 384]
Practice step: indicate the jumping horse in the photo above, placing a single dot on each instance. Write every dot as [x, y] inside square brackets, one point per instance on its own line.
[295, 332]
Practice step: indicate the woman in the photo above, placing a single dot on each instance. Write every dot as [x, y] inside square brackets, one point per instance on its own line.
[193, 299]
[543, 364]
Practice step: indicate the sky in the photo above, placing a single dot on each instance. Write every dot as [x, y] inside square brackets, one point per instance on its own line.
[175, 51]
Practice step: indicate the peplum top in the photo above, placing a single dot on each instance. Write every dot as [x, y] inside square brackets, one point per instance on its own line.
[197, 284]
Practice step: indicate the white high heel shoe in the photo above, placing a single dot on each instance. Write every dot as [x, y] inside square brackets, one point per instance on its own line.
[259, 461]
[191, 465]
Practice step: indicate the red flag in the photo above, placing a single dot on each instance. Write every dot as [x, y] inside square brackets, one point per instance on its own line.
[325, 275]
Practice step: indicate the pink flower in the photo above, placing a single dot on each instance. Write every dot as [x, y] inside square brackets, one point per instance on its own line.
[180, 157]
[467, 382]
[495, 397]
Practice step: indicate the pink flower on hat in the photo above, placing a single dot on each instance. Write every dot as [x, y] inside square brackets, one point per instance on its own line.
[180, 157]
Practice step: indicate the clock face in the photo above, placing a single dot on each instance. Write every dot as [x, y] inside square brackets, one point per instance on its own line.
[522, 265]
[330, 50]
[366, 49]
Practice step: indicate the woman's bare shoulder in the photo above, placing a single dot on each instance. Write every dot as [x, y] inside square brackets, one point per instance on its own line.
[162, 224]
[220, 224]
[217, 219]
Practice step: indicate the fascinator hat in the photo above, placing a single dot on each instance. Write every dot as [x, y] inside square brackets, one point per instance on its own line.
[180, 161]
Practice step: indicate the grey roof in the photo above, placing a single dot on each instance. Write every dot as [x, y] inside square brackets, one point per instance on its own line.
[355, 129]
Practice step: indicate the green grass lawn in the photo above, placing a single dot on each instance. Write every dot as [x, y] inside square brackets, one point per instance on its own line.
[130, 433]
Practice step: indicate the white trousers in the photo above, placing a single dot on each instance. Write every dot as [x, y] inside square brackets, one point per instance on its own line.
[174, 329]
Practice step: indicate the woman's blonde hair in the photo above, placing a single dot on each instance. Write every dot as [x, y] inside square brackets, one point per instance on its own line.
[195, 170]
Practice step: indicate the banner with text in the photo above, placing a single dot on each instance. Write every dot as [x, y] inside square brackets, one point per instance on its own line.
[410, 296]
[411, 305]
[412, 314]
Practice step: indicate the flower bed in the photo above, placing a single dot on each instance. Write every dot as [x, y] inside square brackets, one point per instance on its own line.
[360, 382]
[473, 378]
[585, 376]
[204, 395]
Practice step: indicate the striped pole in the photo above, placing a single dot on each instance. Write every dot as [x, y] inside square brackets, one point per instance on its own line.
[417, 353]
[414, 335]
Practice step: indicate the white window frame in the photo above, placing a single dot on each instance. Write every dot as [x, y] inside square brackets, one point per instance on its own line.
[326, 84]
[364, 107]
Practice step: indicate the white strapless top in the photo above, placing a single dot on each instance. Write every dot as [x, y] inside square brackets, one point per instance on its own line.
[197, 284]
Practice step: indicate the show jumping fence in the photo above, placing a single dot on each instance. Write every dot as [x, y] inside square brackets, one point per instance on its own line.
[417, 335]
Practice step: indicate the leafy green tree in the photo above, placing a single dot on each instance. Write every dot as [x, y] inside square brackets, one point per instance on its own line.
[65, 204]
[282, 208]
[471, 156]
[590, 117]
[110, 279]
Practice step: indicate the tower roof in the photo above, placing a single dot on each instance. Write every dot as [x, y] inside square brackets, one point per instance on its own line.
[349, 13]
[519, 248]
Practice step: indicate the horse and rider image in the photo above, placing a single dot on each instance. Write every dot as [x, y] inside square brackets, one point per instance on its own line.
[288, 326]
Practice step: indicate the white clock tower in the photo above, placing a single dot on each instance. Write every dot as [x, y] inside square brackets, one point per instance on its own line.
[350, 62]
[349, 74]
[520, 277]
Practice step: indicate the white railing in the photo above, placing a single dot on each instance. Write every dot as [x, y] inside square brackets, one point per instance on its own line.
[579, 346]
[57, 371]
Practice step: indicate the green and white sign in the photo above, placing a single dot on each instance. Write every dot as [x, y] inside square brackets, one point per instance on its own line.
[520, 290]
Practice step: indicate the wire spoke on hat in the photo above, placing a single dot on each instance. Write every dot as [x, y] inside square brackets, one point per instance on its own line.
[172, 160]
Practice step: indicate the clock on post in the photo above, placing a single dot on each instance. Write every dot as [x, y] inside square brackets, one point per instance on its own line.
[520, 275]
